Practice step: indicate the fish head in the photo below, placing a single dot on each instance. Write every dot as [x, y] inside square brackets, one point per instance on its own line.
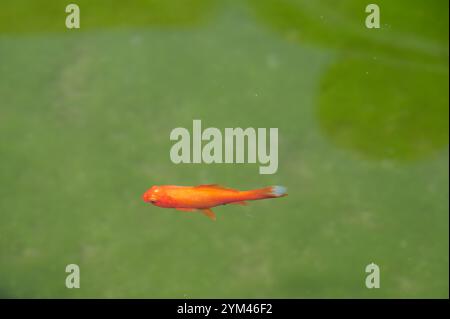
[152, 195]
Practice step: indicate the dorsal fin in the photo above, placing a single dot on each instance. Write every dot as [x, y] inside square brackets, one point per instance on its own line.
[216, 186]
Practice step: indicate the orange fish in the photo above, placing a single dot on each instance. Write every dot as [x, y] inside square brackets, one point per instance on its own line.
[203, 197]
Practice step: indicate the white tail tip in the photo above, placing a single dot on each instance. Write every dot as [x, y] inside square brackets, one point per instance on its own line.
[279, 191]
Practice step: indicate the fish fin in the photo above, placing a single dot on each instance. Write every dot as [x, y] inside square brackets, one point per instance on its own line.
[270, 192]
[242, 203]
[266, 192]
[208, 212]
[216, 186]
[185, 209]
[278, 191]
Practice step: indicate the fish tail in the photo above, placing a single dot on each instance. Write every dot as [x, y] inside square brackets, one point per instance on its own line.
[278, 191]
[266, 192]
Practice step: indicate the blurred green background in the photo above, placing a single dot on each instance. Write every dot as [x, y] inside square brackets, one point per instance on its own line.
[85, 118]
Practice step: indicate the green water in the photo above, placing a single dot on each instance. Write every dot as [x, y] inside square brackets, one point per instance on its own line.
[85, 118]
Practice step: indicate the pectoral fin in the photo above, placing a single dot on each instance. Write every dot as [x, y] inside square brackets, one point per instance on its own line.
[208, 212]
